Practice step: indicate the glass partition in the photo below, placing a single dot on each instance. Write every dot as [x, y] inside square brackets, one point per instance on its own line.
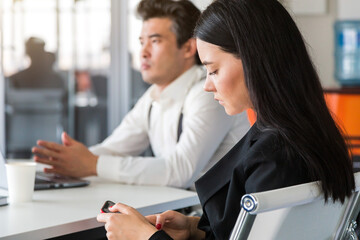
[55, 60]
[138, 86]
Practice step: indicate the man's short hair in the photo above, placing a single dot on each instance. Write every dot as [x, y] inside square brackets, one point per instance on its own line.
[34, 46]
[183, 14]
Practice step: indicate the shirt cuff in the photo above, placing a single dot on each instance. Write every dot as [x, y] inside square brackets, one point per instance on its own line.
[106, 167]
[160, 235]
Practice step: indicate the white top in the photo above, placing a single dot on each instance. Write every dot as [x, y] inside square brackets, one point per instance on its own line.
[207, 134]
[58, 212]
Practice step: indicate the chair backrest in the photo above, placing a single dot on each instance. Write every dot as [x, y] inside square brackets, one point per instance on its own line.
[297, 212]
[32, 114]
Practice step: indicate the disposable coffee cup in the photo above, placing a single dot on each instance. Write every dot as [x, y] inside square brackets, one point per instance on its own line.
[21, 179]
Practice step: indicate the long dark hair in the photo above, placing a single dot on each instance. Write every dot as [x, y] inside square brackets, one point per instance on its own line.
[283, 85]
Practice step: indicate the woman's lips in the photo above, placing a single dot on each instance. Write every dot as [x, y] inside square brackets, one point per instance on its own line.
[220, 101]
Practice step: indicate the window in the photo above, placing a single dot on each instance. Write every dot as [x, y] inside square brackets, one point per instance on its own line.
[56, 62]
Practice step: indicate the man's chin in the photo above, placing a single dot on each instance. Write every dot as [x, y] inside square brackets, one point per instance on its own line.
[147, 79]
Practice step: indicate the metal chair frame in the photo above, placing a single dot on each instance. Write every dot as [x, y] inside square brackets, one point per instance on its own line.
[251, 205]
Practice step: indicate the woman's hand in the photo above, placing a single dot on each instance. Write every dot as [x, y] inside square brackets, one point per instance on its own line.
[128, 224]
[177, 225]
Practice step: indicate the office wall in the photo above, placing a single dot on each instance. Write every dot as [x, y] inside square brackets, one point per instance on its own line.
[318, 32]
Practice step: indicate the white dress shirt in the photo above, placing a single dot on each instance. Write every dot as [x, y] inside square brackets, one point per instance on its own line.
[207, 134]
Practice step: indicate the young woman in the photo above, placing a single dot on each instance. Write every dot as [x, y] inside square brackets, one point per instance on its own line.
[256, 58]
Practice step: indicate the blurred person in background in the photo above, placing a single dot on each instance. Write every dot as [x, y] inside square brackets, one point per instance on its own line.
[40, 73]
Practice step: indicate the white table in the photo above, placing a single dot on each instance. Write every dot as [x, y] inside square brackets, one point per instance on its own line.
[58, 212]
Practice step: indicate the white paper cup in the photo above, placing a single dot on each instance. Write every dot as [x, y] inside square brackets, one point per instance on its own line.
[21, 179]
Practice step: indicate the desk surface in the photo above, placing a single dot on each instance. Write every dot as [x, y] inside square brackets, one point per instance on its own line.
[58, 212]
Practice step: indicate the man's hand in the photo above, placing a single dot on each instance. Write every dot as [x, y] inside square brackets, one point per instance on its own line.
[70, 159]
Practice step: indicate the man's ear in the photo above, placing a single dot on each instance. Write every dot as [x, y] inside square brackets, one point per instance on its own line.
[189, 48]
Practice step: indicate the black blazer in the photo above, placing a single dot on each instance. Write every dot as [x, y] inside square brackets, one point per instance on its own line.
[258, 162]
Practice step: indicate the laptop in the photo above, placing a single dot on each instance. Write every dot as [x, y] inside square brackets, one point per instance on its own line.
[53, 181]
[3, 182]
[42, 180]
[47, 180]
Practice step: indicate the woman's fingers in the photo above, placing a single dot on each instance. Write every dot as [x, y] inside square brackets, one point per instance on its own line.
[123, 208]
[102, 217]
[161, 219]
[152, 219]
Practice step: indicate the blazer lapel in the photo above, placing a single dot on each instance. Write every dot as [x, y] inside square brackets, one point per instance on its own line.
[220, 174]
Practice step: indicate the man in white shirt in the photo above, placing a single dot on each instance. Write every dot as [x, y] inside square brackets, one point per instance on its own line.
[186, 128]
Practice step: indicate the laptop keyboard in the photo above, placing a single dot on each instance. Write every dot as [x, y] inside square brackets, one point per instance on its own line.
[38, 180]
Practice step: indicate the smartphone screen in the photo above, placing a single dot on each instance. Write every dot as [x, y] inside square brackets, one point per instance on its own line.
[105, 207]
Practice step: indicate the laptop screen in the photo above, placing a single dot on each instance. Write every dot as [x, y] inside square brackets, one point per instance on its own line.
[3, 181]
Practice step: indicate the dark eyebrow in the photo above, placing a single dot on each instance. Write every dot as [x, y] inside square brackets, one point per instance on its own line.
[206, 63]
[155, 35]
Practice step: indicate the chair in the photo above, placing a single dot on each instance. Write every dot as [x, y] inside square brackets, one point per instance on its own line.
[31, 115]
[297, 213]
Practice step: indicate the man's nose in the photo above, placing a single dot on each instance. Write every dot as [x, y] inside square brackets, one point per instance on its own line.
[145, 51]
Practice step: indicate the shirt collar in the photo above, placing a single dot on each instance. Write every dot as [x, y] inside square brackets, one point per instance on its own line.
[178, 89]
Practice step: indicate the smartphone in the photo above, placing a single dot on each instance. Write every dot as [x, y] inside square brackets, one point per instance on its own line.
[105, 207]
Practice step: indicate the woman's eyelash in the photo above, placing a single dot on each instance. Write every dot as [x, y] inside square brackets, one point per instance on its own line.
[213, 73]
